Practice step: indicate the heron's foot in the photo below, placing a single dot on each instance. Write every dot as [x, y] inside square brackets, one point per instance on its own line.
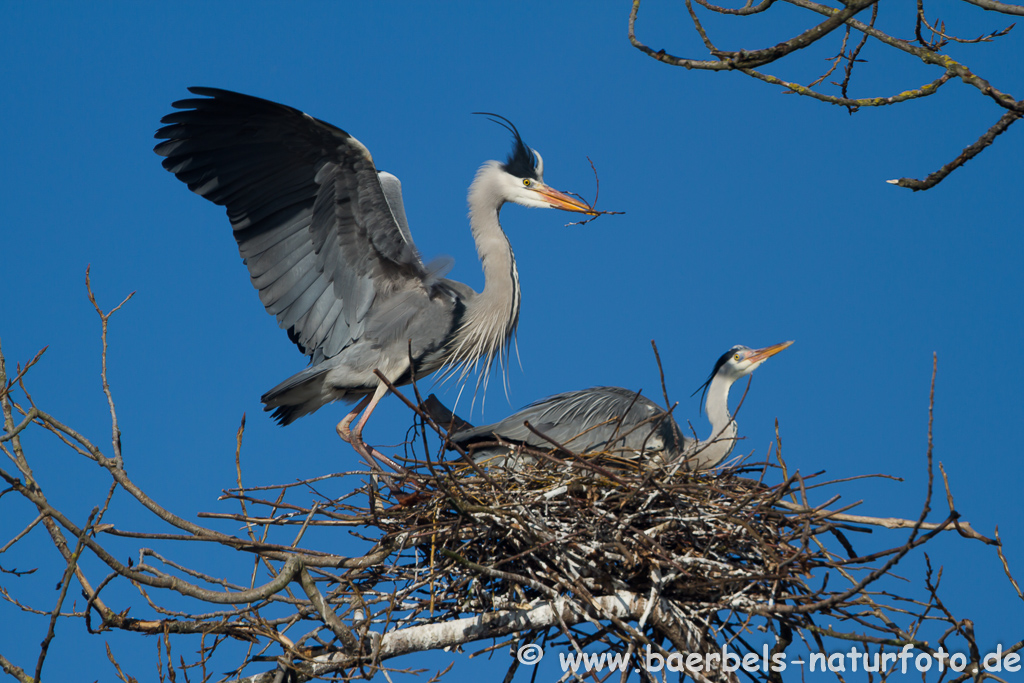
[345, 426]
[343, 430]
[372, 456]
[393, 480]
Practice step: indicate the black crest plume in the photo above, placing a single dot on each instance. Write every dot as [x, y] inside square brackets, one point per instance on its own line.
[521, 162]
[722, 360]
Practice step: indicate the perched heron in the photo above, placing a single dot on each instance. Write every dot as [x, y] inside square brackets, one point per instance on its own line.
[325, 238]
[615, 420]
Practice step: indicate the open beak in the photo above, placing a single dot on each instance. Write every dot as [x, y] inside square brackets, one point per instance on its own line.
[761, 355]
[560, 200]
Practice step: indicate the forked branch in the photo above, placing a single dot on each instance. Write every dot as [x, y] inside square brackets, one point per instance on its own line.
[785, 49]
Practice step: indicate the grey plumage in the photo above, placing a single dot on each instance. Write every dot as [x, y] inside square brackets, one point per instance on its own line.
[328, 246]
[616, 421]
[599, 419]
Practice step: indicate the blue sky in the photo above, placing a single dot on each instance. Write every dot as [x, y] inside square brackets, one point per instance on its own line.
[752, 217]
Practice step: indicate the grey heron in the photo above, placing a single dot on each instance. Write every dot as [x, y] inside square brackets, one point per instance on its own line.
[616, 420]
[326, 241]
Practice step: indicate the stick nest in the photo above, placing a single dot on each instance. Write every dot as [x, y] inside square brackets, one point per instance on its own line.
[520, 536]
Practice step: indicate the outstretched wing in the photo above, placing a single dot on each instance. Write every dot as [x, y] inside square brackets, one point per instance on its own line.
[312, 221]
[585, 421]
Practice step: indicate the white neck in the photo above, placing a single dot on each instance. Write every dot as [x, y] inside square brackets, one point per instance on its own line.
[501, 280]
[492, 315]
[719, 444]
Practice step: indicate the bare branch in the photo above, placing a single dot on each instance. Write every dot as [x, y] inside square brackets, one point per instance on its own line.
[927, 51]
[971, 151]
[1002, 7]
[582, 549]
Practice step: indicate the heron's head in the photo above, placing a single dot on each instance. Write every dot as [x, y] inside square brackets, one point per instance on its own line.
[740, 361]
[521, 178]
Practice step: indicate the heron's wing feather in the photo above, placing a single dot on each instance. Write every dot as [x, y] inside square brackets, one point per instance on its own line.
[322, 234]
[585, 420]
[392, 187]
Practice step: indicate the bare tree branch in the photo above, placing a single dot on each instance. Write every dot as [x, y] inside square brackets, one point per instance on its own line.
[582, 549]
[928, 51]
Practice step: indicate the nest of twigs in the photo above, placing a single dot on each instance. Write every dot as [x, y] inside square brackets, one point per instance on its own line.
[624, 556]
[596, 551]
[548, 529]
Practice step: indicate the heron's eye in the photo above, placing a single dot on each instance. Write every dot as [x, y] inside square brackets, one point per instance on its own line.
[527, 182]
[738, 356]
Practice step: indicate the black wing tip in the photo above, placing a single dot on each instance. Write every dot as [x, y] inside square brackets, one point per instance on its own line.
[293, 337]
[189, 108]
[204, 92]
[216, 93]
[284, 415]
[208, 91]
[208, 94]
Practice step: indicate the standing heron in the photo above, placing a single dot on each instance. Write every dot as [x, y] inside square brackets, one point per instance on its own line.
[617, 421]
[326, 242]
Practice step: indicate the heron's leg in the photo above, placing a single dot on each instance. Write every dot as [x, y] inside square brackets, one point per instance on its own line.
[382, 389]
[343, 426]
[372, 456]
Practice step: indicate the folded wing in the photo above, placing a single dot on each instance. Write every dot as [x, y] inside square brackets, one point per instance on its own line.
[588, 420]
